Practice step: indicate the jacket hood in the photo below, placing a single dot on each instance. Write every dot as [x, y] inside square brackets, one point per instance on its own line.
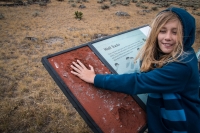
[188, 23]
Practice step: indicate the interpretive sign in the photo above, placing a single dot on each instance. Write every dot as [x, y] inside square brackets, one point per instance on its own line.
[103, 110]
[120, 52]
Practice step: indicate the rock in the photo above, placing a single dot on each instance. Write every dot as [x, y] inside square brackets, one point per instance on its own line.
[33, 39]
[125, 3]
[100, 1]
[105, 6]
[1, 16]
[99, 36]
[35, 14]
[147, 11]
[85, 35]
[82, 6]
[47, 1]
[120, 13]
[143, 12]
[198, 14]
[19, 2]
[43, 4]
[85, 0]
[54, 40]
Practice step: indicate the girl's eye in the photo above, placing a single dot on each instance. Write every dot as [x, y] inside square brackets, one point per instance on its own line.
[174, 32]
[162, 31]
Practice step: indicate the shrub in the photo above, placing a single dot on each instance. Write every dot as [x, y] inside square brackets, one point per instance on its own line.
[78, 1]
[1, 16]
[100, 1]
[195, 7]
[35, 14]
[144, 7]
[113, 4]
[134, 1]
[152, 1]
[104, 6]
[125, 2]
[155, 8]
[138, 4]
[197, 13]
[142, 1]
[78, 15]
[73, 5]
[85, 0]
[183, 7]
[165, 4]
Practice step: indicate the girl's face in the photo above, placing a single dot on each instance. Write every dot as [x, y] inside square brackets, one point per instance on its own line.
[167, 36]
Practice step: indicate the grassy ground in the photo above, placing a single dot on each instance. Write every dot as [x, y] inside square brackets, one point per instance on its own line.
[30, 100]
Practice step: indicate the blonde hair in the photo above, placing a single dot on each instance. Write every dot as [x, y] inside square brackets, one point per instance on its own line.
[150, 53]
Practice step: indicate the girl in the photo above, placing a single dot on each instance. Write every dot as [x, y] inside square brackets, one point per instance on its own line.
[169, 73]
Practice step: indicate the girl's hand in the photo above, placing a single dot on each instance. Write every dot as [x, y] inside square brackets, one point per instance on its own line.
[82, 72]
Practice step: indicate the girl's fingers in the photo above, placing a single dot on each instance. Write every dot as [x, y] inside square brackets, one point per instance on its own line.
[75, 73]
[91, 68]
[77, 65]
[80, 63]
[75, 69]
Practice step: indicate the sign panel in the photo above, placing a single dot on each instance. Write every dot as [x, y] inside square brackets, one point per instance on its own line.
[120, 52]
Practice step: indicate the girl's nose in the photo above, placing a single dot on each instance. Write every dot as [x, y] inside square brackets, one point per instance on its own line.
[168, 36]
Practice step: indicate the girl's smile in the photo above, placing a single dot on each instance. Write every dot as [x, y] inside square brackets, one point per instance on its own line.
[167, 37]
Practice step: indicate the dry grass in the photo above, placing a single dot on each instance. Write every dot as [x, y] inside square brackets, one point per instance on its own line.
[30, 99]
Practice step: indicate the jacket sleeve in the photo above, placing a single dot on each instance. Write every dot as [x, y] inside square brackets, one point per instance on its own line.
[168, 79]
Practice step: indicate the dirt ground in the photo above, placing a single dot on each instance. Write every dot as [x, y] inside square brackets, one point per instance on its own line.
[30, 100]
